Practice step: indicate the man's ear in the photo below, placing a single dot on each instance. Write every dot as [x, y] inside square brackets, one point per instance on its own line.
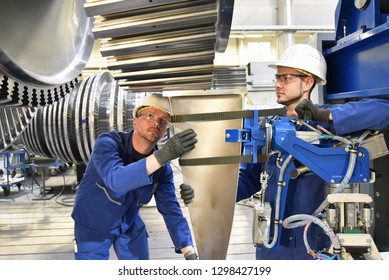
[309, 83]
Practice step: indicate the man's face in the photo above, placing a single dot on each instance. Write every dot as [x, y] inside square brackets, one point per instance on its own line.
[151, 124]
[289, 88]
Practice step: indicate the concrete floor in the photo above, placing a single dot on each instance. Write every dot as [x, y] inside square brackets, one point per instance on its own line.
[34, 226]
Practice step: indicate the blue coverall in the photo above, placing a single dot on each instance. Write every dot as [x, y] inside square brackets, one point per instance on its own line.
[113, 189]
[306, 192]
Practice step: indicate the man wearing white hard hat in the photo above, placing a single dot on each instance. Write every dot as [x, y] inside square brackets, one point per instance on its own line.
[299, 69]
[124, 171]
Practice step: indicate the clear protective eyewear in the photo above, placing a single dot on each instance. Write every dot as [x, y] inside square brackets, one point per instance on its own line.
[150, 117]
[285, 79]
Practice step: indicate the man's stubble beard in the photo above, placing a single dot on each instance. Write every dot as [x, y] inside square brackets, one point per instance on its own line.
[296, 100]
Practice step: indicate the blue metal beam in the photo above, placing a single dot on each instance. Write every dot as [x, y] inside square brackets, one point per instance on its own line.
[358, 64]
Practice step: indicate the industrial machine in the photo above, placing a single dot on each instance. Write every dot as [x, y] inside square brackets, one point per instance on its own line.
[356, 213]
[147, 46]
[357, 59]
[357, 67]
[60, 117]
[345, 216]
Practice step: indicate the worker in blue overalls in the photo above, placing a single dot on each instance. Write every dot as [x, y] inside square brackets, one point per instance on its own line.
[124, 171]
[299, 69]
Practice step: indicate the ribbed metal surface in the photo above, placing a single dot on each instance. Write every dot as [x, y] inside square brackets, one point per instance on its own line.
[68, 128]
[43, 49]
[149, 45]
[71, 127]
[13, 122]
[101, 86]
[128, 108]
[161, 45]
[13, 93]
[229, 78]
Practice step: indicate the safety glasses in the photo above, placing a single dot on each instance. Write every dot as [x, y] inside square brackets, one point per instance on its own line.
[150, 117]
[285, 79]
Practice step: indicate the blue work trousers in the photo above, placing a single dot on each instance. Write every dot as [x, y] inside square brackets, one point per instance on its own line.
[94, 245]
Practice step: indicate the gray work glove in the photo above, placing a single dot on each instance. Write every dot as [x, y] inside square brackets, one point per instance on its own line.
[187, 193]
[191, 255]
[306, 110]
[176, 146]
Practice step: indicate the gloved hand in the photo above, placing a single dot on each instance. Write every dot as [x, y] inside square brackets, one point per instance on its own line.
[187, 193]
[191, 255]
[306, 110]
[176, 146]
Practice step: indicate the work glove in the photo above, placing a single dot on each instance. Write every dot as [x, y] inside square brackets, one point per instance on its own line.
[191, 255]
[306, 110]
[187, 193]
[176, 146]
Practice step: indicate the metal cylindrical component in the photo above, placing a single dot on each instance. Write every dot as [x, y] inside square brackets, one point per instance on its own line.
[350, 188]
[299, 170]
[367, 215]
[332, 215]
[34, 53]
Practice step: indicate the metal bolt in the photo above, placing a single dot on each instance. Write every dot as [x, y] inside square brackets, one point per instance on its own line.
[377, 215]
[377, 194]
[228, 135]
[360, 4]
[332, 181]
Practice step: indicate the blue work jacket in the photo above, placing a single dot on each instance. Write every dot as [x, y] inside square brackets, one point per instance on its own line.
[307, 192]
[114, 187]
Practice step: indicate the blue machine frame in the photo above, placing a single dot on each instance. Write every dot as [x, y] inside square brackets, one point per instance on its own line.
[358, 63]
[357, 68]
[329, 163]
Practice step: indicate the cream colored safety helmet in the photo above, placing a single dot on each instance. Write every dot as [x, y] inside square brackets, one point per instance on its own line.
[156, 101]
[306, 58]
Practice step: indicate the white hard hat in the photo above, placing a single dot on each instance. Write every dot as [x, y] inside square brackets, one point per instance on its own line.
[156, 101]
[306, 58]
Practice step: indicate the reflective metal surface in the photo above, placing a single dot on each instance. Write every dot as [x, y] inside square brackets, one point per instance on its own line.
[149, 46]
[14, 121]
[68, 128]
[223, 24]
[212, 210]
[161, 45]
[44, 42]
[95, 119]
[43, 49]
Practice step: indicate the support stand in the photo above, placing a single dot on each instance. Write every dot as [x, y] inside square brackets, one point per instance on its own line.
[43, 188]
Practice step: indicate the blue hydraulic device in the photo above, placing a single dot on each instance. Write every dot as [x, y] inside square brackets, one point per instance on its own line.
[357, 68]
[335, 165]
